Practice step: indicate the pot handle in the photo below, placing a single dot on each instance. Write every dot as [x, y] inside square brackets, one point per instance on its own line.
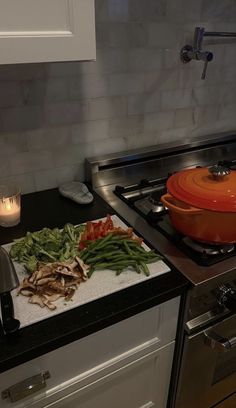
[167, 201]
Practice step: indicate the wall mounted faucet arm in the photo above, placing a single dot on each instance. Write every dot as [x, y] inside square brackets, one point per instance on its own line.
[195, 52]
[218, 34]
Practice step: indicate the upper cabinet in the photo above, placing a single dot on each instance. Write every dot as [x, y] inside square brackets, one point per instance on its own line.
[46, 30]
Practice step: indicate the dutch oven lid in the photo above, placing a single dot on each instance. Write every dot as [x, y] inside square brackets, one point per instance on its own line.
[211, 188]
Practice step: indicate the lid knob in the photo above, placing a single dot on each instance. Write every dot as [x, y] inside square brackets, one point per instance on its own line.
[219, 172]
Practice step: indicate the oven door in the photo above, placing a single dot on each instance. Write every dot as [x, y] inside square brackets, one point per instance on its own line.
[208, 369]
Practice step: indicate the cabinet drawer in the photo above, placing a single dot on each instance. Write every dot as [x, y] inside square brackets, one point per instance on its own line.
[144, 383]
[142, 333]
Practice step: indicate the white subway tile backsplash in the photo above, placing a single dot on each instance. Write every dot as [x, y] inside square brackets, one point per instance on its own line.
[171, 135]
[70, 173]
[108, 61]
[206, 95]
[158, 121]
[145, 59]
[68, 155]
[218, 11]
[89, 86]
[21, 118]
[161, 80]
[46, 139]
[11, 143]
[164, 35]
[28, 162]
[206, 114]
[24, 181]
[45, 179]
[145, 103]
[118, 10]
[137, 34]
[171, 58]
[180, 98]
[137, 93]
[140, 10]
[102, 108]
[5, 168]
[125, 127]
[228, 112]
[65, 113]
[184, 117]
[118, 35]
[126, 84]
[61, 69]
[184, 10]
[90, 131]
[102, 35]
[44, 91]
[22, 72]
[10, 94]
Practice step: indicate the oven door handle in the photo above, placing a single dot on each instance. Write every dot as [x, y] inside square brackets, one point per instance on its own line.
[219, 343]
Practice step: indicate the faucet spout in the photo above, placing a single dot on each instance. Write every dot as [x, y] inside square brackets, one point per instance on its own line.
[198, 37]
[195, 52]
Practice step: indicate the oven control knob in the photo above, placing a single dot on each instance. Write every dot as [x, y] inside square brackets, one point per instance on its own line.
[227, 297]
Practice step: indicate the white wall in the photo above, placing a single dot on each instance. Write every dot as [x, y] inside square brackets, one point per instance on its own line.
[136, 94]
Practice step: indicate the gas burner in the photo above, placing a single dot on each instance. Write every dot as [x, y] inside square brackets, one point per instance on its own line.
[208, 249]
[154, 200]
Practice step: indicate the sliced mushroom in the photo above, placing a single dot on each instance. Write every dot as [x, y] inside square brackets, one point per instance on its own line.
[53, 297]
[66, 272]
[44, 281]
[37, 300]
[62, 280]
[32, 278]
[49, 304]
[57, 287]
[72, 282]
[69, 294]
[82, 267]
[26, 292]
[53, 280]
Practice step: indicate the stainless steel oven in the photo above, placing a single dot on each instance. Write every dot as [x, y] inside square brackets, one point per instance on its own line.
[208, 370]
[204, 374]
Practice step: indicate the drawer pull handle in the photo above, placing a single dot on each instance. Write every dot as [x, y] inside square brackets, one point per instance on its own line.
[218, 343]
[26, 387]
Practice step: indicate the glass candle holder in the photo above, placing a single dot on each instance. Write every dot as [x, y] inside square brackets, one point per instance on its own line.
[10, 205]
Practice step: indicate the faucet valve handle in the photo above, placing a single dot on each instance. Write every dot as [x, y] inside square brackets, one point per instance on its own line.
[209, 57]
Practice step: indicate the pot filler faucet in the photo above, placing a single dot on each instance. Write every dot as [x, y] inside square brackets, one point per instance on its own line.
[189, 52]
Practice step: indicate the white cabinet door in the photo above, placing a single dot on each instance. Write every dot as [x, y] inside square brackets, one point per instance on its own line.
[46, 30]
[143, 383]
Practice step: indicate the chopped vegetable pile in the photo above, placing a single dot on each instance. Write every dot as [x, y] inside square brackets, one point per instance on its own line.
[59, 260]
[95, 230]
[118, 252]
[47, 245]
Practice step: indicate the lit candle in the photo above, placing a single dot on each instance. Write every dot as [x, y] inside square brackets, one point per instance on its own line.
[10, 210]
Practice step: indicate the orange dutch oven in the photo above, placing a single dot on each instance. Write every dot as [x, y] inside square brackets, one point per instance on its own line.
[202, 203]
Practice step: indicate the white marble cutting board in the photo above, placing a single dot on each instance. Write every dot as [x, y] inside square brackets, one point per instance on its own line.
[100, 284]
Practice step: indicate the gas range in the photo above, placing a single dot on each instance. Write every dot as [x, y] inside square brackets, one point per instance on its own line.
[132, 183]
[145, 199]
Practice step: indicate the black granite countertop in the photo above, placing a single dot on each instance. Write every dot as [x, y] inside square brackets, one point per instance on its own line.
[49, 209]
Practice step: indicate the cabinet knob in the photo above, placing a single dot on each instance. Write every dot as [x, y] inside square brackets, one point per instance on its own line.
[26, 387]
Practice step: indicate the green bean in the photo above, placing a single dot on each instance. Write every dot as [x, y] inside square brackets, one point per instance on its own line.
[117, 253]
[103, 241]
[91, 270]
[127, 248]
[98, 257]
[145, 268]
